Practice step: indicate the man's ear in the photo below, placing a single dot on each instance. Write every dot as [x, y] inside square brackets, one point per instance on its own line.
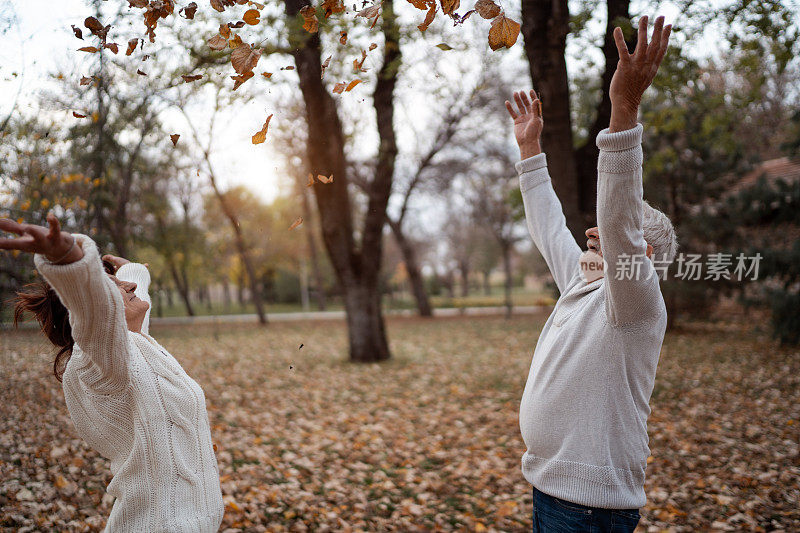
[649, 251]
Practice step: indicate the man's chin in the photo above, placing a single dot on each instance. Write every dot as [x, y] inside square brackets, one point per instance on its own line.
[591, 265]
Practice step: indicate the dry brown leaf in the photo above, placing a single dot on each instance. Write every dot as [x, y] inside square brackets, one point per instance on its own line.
[93, 24]
[188, 78]
[260, 136]
[174, 138]
[138, 3]
[252, 16]
[332, 6]
[77, 31]
[217, 4]
[429, 16]
[370, 12]
[487, 9]
[420, 4]
[343, 37]
[235, 43]
[372, 47]
[288, 67]
[358, 65]
[239, 80]
[114, 47]
[325, 65]
[310, 20]
[339, 87]
[449, 6]
[139, 72]
[225, 30]
[325, 179]
[85, 80]
[245, 58]
[217, 42]
[77, 115]
[189, 10]
[503, 33]
[90, 49]
[296, 223]
[352, 84]
[310, 180]
[131, 46]
[267, 75]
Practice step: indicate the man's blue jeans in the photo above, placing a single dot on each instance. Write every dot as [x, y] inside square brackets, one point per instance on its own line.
[553, 515]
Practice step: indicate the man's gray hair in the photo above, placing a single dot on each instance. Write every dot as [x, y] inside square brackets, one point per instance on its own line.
[659, 233]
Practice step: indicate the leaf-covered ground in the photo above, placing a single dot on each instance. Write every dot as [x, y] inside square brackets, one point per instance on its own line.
[428, 441]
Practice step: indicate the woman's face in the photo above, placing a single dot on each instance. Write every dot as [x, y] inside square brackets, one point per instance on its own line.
[135, 308]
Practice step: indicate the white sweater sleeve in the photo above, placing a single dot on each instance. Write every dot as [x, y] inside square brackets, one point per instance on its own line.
[96, 312]
[630, 295]
[546, 221]
[138, 274]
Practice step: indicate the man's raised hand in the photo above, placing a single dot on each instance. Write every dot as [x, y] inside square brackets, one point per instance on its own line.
[635, 72]
[58, 246]
[528, 123]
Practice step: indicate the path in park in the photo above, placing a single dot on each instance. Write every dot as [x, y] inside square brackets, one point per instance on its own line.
[339, 315]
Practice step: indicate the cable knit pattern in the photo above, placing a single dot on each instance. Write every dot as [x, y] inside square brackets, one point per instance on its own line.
[583, 414]
[131, 401]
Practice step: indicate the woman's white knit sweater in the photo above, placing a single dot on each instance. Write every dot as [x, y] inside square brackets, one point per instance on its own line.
[132, 402]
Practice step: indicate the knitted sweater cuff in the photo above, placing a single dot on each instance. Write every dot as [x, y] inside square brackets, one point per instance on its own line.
[620, 152]
[73, 276]
[532, 172]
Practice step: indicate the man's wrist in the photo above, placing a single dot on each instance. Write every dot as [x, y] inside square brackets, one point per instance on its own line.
[623, 117]
[529, 150]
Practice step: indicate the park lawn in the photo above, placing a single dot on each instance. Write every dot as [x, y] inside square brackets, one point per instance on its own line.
[426, 441]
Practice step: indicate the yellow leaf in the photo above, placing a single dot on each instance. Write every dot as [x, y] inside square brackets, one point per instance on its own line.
[296, 223]
[252, 17]
[503, 33]
[261, 136]
[352, 84]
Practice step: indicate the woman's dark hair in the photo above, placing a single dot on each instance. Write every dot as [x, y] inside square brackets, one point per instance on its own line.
[40, 300]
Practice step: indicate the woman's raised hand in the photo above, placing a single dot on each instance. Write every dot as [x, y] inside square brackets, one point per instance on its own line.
[58, 246]
[528, 123]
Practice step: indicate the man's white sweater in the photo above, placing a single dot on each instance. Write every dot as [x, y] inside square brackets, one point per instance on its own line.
[131, 401]
[584, 411]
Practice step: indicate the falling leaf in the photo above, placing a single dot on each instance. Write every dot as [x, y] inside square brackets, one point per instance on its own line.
[235, 43]
[225, 30]
[372, 47]
[174, 138]
[93, 24]
[114, 47]
[217, 42]
[332, 6]
[301, 346]
[216, 4]
[343, 37]
[310, 180]
[131, 46]
[90, 49]
[267, 75]
[325, 179]
[85, 80]
[310, 21]
[288, 67]
[252, 16]
[325, 65]
[77, 115]
[487, 9]
[261, 136]
[503, 32]
[189, 10]
[245, 58]
[240, 79]
[358, 66]
[370, 12]
[188, 78]
[141, 73]
[429, 16]
[296, 223]
[444, 46]
[449, 6]
[77, 31]
[236, 25]
[352, 84]
[420, 4]
[339, 87]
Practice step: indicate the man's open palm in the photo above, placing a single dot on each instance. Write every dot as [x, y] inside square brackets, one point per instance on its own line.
[635, 72]
[528, 123]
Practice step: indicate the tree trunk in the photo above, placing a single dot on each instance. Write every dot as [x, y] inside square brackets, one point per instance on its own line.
[487, 288]
[181, 285]
[226, 295]
[463, 268]
[545, 25]
[509, 279]
[586, 155]
[414, 274]
[357, 268]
